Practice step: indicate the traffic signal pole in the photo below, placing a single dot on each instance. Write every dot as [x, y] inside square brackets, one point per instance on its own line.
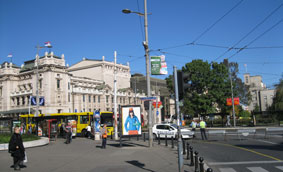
[180, 157]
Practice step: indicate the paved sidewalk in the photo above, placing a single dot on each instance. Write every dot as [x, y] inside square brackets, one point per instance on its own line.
[85, 155]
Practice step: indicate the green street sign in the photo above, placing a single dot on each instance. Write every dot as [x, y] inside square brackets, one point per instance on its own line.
[155, 65]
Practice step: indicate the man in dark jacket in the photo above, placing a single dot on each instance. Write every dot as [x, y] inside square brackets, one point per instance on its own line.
[16, 148]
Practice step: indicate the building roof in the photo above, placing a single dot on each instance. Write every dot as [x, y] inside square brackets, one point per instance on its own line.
[13, 65]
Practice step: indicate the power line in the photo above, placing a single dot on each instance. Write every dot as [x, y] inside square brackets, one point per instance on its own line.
[260, 23]
[269, 29]
[140, 20]
[208, 29]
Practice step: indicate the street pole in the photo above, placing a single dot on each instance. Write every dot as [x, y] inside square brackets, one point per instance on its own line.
[36, 82]
[145, 43]
[115, 96]
[233, 104]
[180, 147]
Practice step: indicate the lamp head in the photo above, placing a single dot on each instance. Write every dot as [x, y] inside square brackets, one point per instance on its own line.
[126, 11]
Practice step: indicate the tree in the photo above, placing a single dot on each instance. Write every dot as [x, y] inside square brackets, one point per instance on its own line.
[277, 104]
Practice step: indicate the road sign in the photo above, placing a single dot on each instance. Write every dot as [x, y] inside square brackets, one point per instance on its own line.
[148, 98]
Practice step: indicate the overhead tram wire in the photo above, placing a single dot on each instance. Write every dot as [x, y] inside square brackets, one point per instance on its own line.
[208, 29]
[260, 23]
[269, 29]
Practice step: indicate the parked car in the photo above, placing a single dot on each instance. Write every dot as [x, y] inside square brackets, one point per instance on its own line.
[171, 130]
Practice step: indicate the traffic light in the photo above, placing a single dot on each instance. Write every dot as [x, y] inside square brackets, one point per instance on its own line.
[183, 85]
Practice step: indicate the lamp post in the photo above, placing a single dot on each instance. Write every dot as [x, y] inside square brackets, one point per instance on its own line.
[145, 44]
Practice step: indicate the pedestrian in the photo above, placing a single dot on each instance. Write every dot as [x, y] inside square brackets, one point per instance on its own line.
[62, 130]
[17, 150]
[68, 130]
[30, 129]
[194, 126]
[103, 133]
[88, 128]
[22, 129]
[202, 126]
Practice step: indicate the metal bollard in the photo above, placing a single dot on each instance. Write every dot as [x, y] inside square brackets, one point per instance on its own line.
[196, 161]
[188, 151]
[172, 142]
[144, 137]
[209, 170]
[192, 156]
[159, 139]
[166, 144]
[184, 146]
[111, 135]
[201, 164]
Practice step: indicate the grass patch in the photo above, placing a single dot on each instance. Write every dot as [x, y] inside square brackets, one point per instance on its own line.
[5, 138]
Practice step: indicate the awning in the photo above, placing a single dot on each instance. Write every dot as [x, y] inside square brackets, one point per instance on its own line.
[22, 111]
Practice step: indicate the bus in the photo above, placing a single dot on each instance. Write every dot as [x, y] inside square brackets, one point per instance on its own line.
[108, 119]
[79, 121]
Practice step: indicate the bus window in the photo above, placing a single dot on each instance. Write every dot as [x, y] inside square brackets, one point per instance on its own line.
[83, 119]
[107, 118]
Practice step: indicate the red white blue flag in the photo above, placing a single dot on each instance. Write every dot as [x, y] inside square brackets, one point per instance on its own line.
[47, 44]
[10, 55]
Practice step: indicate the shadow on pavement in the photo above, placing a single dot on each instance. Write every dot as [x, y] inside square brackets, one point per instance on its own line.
[138, 164]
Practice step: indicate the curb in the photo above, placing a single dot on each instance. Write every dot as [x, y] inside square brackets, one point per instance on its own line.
[42, 141]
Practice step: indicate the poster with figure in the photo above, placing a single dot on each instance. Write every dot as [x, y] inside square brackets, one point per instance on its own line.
[131, 120]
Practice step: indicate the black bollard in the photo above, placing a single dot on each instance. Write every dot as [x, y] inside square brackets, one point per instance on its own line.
[188, 151]
[196, 161]
[192, 156]
[144, 137]
[137, 137]
[209, 170]
[159, 139]
[166, 144]
[201, 164]
[172, 142]
[111, 135]
[184, 146]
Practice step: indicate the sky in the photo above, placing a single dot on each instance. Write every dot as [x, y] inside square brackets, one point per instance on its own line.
[96, 28]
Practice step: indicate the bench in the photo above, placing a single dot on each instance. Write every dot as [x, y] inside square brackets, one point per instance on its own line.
[213, 132]
[246, 132]
[273, 130]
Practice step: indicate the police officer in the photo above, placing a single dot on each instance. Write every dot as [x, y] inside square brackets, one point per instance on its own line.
[202, 126]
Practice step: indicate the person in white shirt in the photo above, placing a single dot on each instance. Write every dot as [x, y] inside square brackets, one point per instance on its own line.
[88, 131]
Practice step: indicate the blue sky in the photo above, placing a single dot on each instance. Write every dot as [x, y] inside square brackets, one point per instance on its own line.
[96, 28]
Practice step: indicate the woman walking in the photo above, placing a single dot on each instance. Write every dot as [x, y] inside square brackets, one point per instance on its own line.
[16, 148]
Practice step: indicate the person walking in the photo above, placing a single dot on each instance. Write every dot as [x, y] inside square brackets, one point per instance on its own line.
[194, 126]
[16, 149]
[103, 132]
[88, 128]
[68, 130]
[202, 126]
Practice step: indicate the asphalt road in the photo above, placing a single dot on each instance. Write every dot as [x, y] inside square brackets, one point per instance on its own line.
[242, 153]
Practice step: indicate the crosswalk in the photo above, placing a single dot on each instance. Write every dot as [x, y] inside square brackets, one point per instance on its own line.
[252, 169]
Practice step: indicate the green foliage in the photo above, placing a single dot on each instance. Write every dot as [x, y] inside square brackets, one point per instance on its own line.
[5, 138]
[244, 114]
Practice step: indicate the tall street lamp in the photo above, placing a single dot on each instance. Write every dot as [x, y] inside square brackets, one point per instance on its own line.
[145, 44]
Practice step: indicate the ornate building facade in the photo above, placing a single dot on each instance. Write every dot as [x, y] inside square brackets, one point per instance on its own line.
[84, 87]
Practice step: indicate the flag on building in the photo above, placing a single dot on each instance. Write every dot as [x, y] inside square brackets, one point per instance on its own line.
[48, 44]
[10, 55]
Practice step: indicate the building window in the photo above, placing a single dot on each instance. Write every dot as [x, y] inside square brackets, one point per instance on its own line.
[124, 100]
[23, 101]
[0, 91]
[129, 100]
[120, 99]
[112, 99]
[18, 101]
[84, 109]
[107, 109]
[40, 83]
[107, 97]
[59, 110]
[58, 83]
[69, 97]
[83, 98]
[68, 86]
[89, 98]
[89, 110]
[93, 98]
[247, 79]
[98, 99]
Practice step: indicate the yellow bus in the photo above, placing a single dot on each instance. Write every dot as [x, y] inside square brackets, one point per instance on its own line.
[79, 121]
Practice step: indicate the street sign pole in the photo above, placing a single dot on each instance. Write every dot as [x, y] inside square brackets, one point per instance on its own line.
[180, 157]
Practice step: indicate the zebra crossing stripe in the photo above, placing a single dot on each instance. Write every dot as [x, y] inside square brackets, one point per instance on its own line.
[227, 170]
[257, 169]
[280, 167]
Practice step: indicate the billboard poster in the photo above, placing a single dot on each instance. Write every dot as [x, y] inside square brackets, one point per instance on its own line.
[155, 65]
[158, 65]
[131, 120]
